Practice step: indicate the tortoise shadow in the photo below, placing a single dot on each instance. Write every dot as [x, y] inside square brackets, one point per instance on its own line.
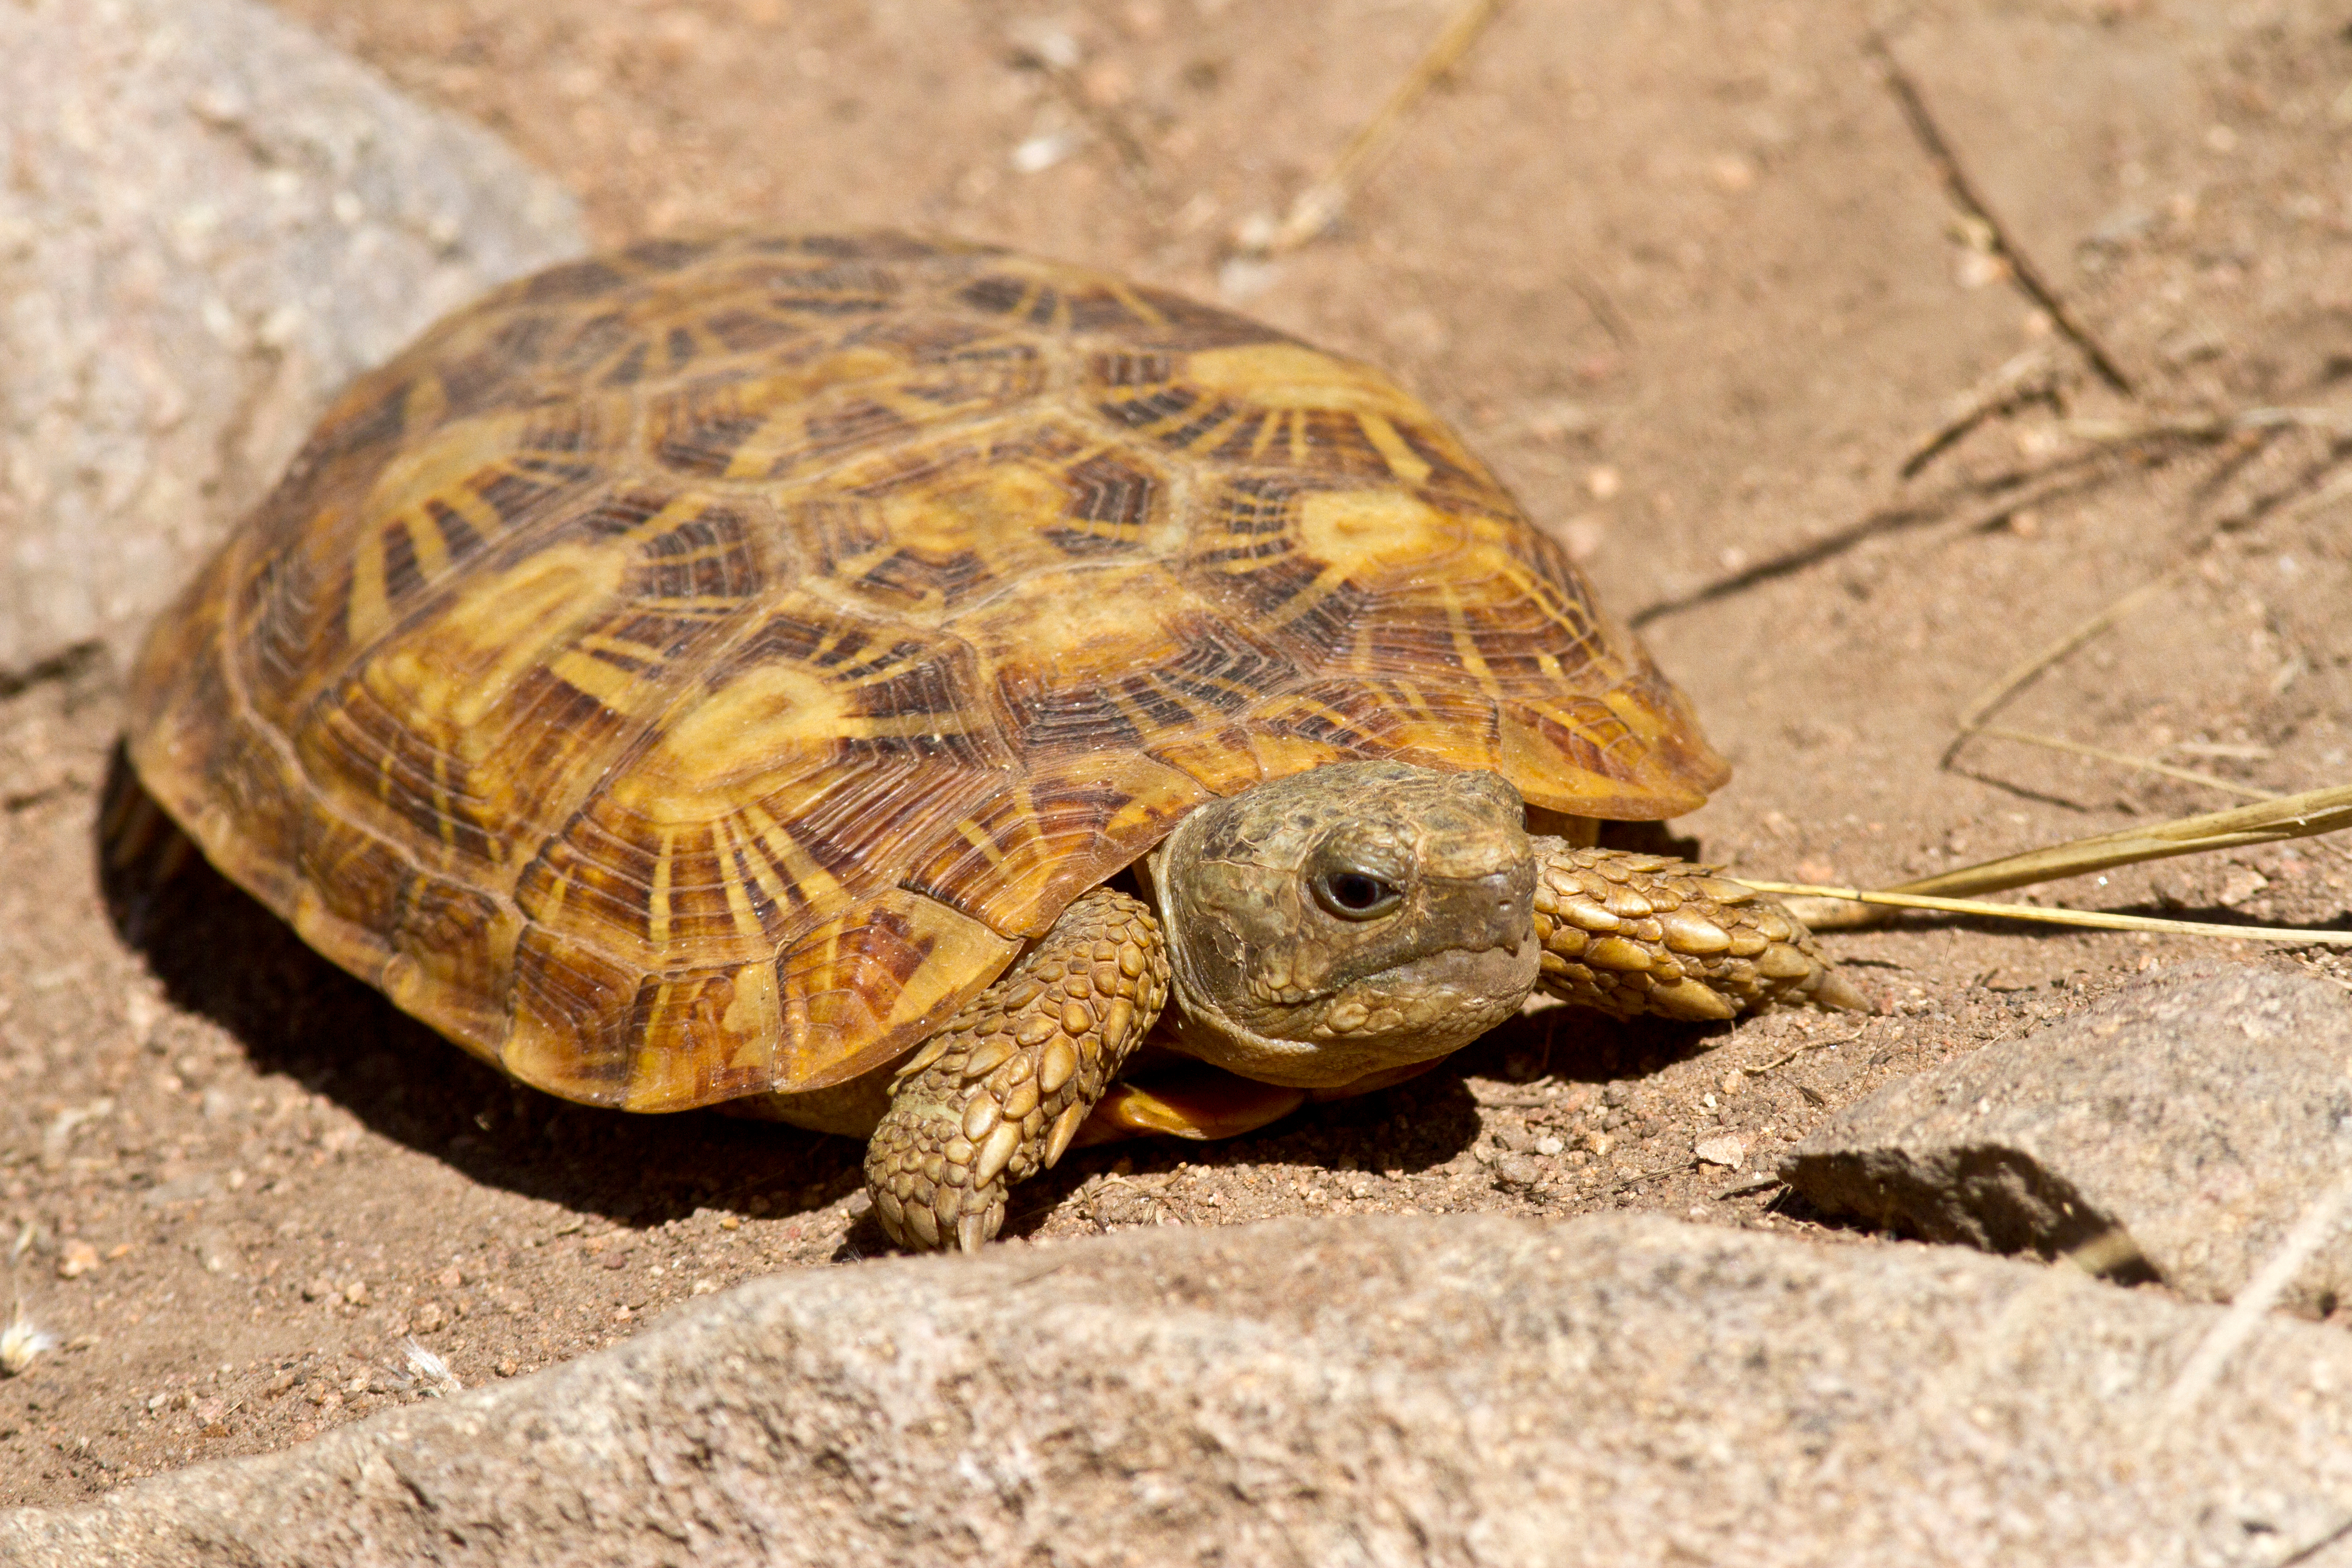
[222, 955]
[1413, 1128]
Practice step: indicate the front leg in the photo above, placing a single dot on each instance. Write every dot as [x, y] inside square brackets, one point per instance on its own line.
[998, 1094]
[1641, 934]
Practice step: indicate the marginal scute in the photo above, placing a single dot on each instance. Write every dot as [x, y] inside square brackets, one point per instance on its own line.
[696, 671]
[873, 980]
[704, 1036]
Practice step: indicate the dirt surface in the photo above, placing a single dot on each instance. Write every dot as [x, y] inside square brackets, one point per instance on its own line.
[1691, 281]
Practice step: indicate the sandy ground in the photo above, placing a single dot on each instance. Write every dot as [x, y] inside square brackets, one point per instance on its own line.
[1690, 279]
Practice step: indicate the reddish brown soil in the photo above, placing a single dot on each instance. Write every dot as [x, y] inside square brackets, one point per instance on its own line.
[1687, 277]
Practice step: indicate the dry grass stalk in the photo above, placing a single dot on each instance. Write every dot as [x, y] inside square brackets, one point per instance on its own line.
[21, 1341]
[2208, 426]
[2032, 377]
[2125, 759]
[2023, 672]
[2308, 1236]
[1317, 206]
[428, 1371]
[2303, 816]
[2096, 920]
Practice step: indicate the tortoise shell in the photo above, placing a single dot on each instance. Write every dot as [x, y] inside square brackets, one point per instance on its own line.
[696, 671]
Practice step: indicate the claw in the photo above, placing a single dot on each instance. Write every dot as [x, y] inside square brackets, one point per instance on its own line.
[1833, 989]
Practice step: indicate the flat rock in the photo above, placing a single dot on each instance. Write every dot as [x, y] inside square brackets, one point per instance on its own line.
[210, 220]
[2177, 1132]
[1378, 1390]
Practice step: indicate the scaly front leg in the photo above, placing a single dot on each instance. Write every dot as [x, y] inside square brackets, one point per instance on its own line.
[997, 1095]
[1641, 934]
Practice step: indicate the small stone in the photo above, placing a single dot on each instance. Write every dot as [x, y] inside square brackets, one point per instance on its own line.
[1723, 1149]
[216, 1253]
[78, 1258]
[1518, 1173]
[428, 1317]
[1548, 1146]
[2240, 887]
[449, 1279]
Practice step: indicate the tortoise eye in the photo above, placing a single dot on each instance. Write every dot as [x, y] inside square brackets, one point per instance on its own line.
[1356, 895]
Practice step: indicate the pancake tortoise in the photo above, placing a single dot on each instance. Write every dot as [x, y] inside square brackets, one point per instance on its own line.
[909, 689]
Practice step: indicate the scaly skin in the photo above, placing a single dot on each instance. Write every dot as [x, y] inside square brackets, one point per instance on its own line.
[998, 1094]
[1630, 935]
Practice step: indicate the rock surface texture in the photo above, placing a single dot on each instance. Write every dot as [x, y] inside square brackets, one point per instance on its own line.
[2179, 1133]
[209, 221]
[1612, 1391]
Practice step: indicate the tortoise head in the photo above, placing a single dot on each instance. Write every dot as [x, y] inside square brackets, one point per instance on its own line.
[1347, 920]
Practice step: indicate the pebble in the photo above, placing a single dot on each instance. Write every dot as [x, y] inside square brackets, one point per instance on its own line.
[1723, 1149]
